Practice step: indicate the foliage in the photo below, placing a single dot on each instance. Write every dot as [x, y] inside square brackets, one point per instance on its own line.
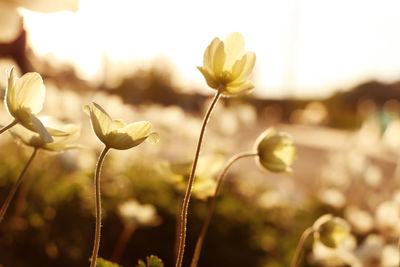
[151, 261]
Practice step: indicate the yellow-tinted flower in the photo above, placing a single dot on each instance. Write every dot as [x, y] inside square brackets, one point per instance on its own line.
[60, 143]
[226, 65]
[24, 99]
[331, 231]
[276, 152]
[115, 133]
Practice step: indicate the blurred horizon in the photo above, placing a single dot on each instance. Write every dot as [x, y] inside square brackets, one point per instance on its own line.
[304, 49]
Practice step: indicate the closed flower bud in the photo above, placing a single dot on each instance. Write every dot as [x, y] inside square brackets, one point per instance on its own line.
[276, 152]
[226, 65]
[331, 231]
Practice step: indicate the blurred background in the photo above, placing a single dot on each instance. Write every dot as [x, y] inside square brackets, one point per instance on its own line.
[328, 73]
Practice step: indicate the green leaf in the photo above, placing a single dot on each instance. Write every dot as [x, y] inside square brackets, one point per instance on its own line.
[152, 261]
[104, 263]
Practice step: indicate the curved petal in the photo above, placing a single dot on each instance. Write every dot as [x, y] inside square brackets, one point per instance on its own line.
[210, 78]
[131, 135]
[234, 48]
[209, 53]
[248, 68]
[238, 67]
[219, 59]
[10, 99]
[10, 22]
[137, 130]
[29, 92]
[153, 138]
[238, 88]
[100, 120]
[41, 130]
[116, 124]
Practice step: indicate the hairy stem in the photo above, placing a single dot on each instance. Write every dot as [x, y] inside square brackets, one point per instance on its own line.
[186, 199]
[5, 128]
[15, 186]
[300, 245]
[211, 207]
[96, 243]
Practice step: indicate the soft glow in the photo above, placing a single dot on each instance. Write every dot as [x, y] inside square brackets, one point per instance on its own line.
[304, 48]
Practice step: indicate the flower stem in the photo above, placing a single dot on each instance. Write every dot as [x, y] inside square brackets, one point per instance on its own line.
[5, 128]
[300, 246]
[211, 207]
[186, 199]
[96, 243]
[15, 186]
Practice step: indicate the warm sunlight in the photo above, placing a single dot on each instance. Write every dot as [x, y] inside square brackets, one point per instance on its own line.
[304, 48]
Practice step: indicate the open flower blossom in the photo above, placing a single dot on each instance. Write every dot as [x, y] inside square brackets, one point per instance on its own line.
[115, 133]
[10, 19]
[331, 231]
[226, 65]
[276, 152]
[60, 143]
[24, 99]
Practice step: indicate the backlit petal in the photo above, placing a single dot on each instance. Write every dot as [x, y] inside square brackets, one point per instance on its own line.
[210, 78]
[101, 121]
[219, 59]
[10, 99]
[209, 54]
[29, 92]
[153, 138]
[234, 48]
[40, 129]
[248, 68]
[239, 88]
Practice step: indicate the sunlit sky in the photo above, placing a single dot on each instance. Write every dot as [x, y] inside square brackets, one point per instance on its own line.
[304, 47]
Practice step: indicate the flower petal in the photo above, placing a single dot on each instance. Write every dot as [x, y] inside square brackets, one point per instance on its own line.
[153, 138]
[138, 129]
[10, 99]
[219, 59]
[248, 68]
[238, 67]
[209, 54]
[234, 48]
[210, 78]
[238, 88]
[102, 122]
[29, 92]
[41, 130]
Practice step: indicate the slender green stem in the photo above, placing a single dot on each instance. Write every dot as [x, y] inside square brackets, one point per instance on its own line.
[5, 128]
[96, 243]
[211, 207]
[15, 186]
[300, 245]
[186, 199]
